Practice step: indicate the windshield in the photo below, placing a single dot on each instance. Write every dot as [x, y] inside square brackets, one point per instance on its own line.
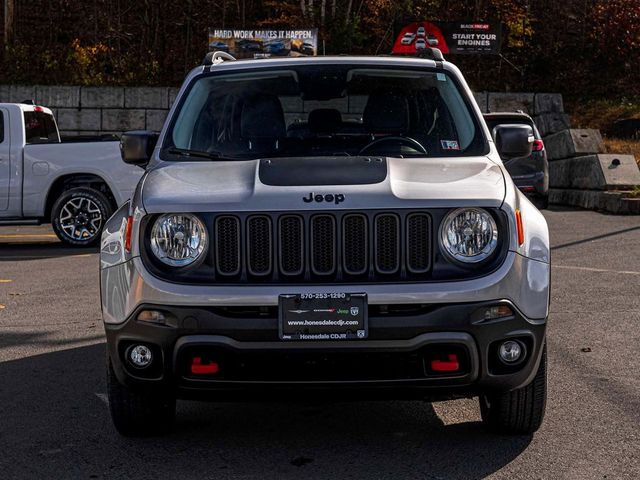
[324, 111]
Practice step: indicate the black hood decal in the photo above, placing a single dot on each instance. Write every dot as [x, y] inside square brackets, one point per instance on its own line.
[318, 171]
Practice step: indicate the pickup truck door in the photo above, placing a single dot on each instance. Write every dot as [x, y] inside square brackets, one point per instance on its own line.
[5, 159]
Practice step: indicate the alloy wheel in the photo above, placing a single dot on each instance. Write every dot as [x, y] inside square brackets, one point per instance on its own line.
[80, 218]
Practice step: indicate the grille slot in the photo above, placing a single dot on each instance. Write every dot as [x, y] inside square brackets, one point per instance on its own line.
[387, 243]
[291, 246]
[355, 249]
[227, 245]
[323, 244]
[418, 243]
[259, 245]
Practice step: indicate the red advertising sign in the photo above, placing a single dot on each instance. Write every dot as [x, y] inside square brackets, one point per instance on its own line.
[450, 37]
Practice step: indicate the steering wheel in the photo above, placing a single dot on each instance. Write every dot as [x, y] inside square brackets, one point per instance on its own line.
[410, 142]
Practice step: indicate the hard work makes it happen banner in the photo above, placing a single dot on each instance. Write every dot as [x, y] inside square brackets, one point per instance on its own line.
[264, 43]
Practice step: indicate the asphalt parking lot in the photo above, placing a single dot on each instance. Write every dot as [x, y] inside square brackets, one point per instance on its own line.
[54, 421]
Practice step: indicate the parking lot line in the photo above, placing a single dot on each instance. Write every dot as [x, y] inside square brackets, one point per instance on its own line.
[28, 235]
[597, 270]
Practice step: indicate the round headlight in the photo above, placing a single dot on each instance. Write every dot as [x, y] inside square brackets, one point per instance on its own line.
[469, 235]
[178, 239]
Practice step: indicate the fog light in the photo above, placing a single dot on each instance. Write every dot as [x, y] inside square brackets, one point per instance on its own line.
[140, 356]
[151, 316]
[511, 351]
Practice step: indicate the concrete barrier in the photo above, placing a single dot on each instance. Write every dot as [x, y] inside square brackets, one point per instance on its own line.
[573, 142]
[550, 123]
[595, 172]
[613, 202]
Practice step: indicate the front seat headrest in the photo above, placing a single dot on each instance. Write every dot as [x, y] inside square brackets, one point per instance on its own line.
[262, 117]
[325, 120]
[386, 113]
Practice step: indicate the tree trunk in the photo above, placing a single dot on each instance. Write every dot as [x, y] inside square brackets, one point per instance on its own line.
[8, 22]
[347, 16]
[303, 7]
[323, 7]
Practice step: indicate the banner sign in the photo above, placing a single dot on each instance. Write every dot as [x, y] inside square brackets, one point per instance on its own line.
[264, 43]
[449, 37]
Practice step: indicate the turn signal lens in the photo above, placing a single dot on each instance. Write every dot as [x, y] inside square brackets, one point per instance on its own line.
[499, 311]
[127, 234]
[151, 316]
[519, 227]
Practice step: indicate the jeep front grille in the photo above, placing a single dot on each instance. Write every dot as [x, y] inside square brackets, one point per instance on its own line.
[322, 247]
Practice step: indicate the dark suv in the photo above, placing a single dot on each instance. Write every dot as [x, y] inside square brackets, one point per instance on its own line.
[531, 173]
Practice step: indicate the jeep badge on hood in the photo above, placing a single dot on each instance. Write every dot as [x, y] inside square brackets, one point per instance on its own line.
[312, 197]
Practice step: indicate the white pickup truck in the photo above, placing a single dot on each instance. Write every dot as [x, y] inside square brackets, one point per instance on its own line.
[75, 185]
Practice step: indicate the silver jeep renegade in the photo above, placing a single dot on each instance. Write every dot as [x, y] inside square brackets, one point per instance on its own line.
[335, 226]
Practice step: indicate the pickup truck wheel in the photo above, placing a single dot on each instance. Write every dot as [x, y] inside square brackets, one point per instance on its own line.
[138, 414]
[521, 411]
[79, 214]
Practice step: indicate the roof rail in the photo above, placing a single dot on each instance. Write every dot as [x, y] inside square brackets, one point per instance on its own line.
[212, 58]
[431, 53]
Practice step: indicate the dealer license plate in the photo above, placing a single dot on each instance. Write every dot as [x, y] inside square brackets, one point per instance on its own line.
[323, 316]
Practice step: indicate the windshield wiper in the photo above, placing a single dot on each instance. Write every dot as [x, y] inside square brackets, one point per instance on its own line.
[199, 154]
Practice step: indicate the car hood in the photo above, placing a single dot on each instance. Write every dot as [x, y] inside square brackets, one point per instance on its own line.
[327, 182]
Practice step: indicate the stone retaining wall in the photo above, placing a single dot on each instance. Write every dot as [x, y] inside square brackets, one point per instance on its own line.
[98, 110]
[103, 110]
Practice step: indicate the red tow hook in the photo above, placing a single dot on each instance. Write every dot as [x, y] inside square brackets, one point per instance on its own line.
[449, 365]
[198, 368]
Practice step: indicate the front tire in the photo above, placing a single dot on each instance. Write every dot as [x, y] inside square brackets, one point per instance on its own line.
[78, 216]
[521, 411]
[137, 414]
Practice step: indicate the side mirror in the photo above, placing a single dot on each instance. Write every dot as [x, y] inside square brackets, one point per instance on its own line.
[136, 147]
[513, 141]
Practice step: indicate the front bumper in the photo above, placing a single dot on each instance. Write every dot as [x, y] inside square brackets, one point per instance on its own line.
[239, 325]
[392, 362]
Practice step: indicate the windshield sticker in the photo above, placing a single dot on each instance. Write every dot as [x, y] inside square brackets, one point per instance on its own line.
[441, 77]
[449, 145]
